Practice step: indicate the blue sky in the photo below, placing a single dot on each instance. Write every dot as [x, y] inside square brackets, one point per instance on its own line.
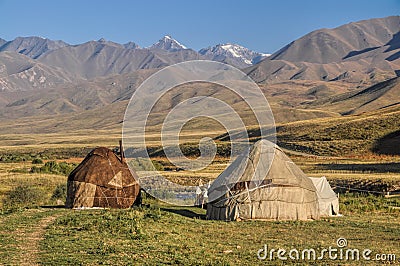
[263, 26]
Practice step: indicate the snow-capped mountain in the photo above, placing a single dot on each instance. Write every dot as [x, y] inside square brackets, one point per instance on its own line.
[32, 46]
[97, 58]
[169, 44]
[233, 54]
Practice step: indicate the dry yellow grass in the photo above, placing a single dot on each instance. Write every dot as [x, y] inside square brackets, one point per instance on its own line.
[14, 174]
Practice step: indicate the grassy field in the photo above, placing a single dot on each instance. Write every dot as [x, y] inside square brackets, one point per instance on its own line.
[167, 235]
[347, 136]
[341, 136]
[15, 174]
[340, 148]
[160, 234]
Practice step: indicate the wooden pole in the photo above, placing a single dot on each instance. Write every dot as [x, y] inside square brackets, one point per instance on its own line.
[121, 151]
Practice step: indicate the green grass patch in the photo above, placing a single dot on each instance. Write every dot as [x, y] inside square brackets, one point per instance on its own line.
[52, 167]
[23, 196]
[168, 235]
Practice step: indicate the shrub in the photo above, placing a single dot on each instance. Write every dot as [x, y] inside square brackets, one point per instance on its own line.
[23, 196]
[146, 164]
[37, 161]
[158, 166]
[52, 167]
[12, 158]
[60, 192]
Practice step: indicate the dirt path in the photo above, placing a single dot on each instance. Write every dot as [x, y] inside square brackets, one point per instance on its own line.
[29, 241]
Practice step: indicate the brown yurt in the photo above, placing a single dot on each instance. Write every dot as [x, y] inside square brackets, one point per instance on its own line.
[102, 180]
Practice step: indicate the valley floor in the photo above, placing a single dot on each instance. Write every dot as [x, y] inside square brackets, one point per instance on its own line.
[339, 148]
[167, 235]
[160, 234]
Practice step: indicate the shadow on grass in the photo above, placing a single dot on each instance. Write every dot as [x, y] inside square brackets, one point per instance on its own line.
[53, 207]
[369, 168]
[388, 145]
[186, 213]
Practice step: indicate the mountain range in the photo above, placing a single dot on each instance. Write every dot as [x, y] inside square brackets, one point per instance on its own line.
[31, 46]
[350, 69]
[100, 58]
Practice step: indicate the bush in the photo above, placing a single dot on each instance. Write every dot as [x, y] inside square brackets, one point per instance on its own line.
[52, 167]
[12, 158]
[146, 164]
[23, 196]
[158, 166]
[37, 161]
[60, 192]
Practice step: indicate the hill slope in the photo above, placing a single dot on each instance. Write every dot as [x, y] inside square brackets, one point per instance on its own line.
[382, 95]
[361, 52]
[21, 73]
[332, 45]
[72, 97]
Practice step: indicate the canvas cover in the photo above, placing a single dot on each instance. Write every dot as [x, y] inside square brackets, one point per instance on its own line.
[327, 199]
[263, 184]
[102, 179]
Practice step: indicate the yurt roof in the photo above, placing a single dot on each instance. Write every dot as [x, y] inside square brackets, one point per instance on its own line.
[264, 164]
[103, 167]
